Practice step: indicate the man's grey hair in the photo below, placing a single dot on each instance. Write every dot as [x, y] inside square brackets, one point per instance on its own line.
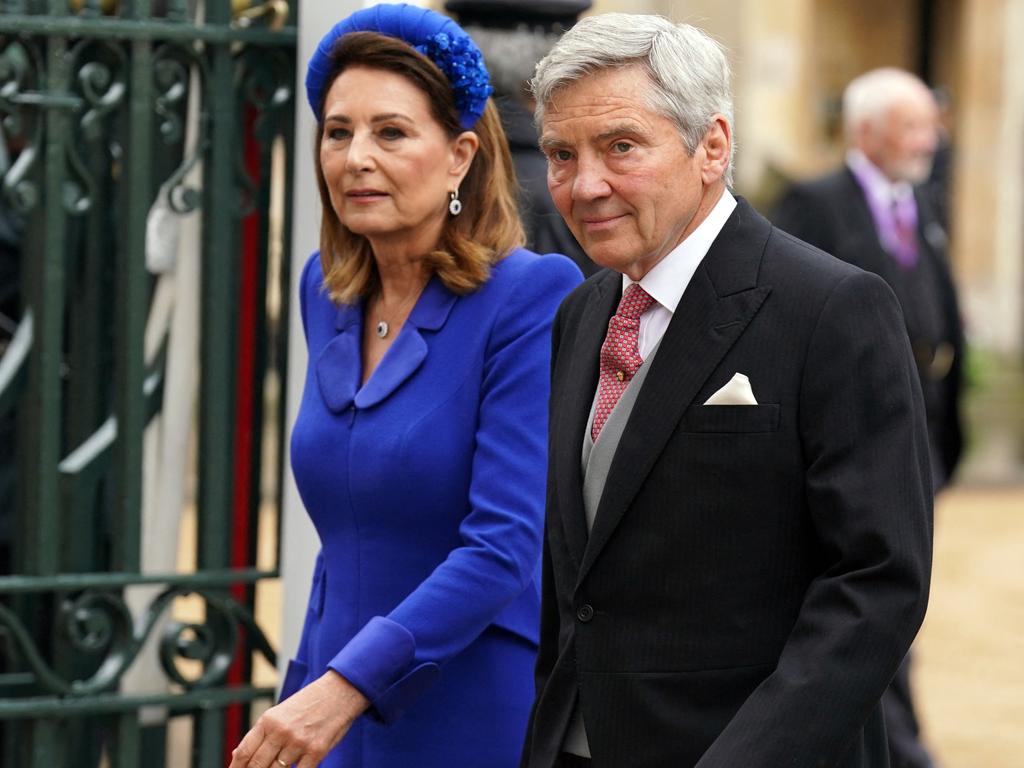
[870, 96]
[511, 55]
[688, 70]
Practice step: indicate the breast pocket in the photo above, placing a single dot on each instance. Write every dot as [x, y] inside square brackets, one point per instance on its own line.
[731, 418]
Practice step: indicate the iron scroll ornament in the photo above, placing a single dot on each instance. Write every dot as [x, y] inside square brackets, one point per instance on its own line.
[100, 81]
[174, 66]
[99, 620]
[21, 96]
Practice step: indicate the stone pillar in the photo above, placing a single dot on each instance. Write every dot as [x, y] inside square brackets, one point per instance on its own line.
[988, 235]
[777, 108]
[299, 543]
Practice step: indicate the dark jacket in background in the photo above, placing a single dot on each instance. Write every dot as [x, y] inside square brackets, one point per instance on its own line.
[546, 231]
[832, 213]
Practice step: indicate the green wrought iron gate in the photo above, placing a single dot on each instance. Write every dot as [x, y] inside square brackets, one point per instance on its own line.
[120, 121]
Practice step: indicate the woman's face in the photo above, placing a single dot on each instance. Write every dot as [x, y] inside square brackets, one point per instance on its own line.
[388, 164]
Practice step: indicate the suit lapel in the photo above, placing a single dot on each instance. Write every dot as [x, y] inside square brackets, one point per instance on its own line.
[859, 215]
[868, 253]
[409, 349]
[714, 311]
[571, 420]
[339, 366]
[339, 363]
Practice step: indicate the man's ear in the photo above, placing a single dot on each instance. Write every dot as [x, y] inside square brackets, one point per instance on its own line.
[717, 145]
[464, 149]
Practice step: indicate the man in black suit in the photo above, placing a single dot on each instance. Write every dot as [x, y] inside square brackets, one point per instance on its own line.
[738, 537]
[873, 213]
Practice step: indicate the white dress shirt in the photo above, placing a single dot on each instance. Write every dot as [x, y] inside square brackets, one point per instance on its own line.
[667, 281]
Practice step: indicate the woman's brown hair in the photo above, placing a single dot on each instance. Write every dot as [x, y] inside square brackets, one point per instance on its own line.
[489, 225]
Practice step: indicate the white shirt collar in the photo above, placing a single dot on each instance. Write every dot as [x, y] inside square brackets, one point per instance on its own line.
[668, 279]
[881, 187]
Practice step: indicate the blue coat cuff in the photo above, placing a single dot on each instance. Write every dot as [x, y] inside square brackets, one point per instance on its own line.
[294, 678]
[379, 662]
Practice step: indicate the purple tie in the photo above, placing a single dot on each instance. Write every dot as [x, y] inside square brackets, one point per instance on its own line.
[904, 220]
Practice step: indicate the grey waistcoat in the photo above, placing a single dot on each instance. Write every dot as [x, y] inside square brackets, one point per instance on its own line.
[596, 461]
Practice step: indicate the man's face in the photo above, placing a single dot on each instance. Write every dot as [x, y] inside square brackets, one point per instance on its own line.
[620, 174]
[902, 143]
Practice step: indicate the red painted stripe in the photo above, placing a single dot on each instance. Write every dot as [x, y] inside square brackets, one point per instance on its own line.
[245, 431]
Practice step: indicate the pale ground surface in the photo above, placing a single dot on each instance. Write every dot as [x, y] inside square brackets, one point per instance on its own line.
[970, 653]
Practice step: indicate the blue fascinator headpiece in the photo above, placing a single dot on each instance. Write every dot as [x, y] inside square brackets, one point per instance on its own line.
[435, 36]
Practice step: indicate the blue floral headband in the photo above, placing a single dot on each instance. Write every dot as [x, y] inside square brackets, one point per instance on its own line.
[435, 36]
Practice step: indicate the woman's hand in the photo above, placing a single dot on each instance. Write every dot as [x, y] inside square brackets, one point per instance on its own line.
[303, 728]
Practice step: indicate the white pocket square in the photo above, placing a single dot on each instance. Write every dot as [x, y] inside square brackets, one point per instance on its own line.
[737, 391]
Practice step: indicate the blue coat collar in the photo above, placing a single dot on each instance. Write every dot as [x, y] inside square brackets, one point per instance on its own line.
[339, 366]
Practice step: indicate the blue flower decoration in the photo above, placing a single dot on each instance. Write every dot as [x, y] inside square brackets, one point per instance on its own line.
[462, 64]
[435, 36]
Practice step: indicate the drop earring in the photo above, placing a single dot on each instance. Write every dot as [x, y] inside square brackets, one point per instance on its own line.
[454, 204]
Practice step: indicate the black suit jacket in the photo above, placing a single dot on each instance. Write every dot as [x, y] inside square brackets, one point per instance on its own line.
[832, 213]
[755, 574]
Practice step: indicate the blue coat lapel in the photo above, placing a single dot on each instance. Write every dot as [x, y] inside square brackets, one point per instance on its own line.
[339, 364]
[339, 367]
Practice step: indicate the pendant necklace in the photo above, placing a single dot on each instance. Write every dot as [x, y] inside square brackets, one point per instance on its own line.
[383, 326]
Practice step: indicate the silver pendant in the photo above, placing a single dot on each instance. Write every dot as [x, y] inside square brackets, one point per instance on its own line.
[383, 328]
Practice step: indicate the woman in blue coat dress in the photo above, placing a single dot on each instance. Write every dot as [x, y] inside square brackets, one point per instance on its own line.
[420, 444]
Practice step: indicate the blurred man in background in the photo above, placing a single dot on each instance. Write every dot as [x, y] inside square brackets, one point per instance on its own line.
[875, 213]
[513, 36]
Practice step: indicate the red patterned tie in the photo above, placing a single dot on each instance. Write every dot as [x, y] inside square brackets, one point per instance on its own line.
[620, 355]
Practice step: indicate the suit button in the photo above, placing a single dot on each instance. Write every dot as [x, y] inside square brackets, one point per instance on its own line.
[585, 612]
